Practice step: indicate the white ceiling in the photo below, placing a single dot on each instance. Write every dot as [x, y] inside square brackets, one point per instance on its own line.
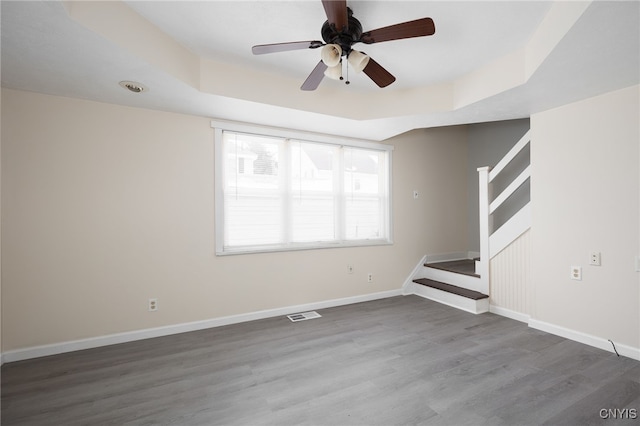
[468, 34]
[46, 50]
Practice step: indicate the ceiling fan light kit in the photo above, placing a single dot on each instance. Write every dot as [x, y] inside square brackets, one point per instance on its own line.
[335, 72]
[358, 60]
[331, 54]
[340, 32]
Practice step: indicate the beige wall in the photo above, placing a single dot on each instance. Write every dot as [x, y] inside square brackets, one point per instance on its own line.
[105, 206]
[585, 196]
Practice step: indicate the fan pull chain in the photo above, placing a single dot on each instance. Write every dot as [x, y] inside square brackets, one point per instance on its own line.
[347, 82]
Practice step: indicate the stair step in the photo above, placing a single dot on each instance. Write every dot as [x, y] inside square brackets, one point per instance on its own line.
[453, 289]
[462, 266]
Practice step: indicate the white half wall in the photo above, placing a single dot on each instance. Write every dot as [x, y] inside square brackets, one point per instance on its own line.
[585, 195]
[510, 285]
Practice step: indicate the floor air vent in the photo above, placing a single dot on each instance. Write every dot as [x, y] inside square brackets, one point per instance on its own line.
[303, 316]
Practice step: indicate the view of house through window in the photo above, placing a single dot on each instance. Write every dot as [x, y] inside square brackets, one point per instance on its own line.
[281, 194]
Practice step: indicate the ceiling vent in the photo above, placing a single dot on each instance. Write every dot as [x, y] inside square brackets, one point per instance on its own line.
[303, 316]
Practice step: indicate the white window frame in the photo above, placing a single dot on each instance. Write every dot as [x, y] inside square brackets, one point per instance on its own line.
[221, 126]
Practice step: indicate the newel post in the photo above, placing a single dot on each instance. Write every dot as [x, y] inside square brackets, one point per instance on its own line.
[485, 225]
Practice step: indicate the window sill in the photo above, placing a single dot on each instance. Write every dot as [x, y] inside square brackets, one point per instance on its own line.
[298, 247]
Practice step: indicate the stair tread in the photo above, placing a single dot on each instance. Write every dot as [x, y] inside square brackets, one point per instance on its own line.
[449, 288]
[462, 266]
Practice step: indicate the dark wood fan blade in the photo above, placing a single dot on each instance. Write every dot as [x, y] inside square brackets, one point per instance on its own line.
[418, 28]
[336, 11]
[261, 49]
[313, 81]
[378, 74]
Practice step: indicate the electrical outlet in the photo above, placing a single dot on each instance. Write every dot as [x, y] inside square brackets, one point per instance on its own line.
[594, 258]
[369, 277]
[576, 273]
[349, 269]
[153, 305]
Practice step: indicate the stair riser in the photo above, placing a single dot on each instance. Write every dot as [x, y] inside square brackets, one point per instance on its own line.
[461, 280]
[453, 300]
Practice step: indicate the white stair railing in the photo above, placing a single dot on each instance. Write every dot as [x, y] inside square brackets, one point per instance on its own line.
[493, 241]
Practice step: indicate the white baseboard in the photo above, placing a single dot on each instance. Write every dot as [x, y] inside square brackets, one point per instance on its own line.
[473, 255]
[504, 312]
[112, 339]
[454, 255]
[577, 336]
[587, 339]
[444, 257]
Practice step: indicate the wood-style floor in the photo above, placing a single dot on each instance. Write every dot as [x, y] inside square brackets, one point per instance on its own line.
[397, 361]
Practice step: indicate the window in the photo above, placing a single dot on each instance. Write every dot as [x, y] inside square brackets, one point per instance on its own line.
[287, 192]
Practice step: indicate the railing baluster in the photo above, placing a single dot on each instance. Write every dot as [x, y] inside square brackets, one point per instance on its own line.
[517, 182]
[524, 140]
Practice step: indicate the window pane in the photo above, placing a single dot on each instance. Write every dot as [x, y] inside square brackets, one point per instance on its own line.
[279, 193]
[313, 218]
[365, 194]
[361, 169]
[313, 170]
[253, 201]
[312, 166]
[363, 218]
[252, 219]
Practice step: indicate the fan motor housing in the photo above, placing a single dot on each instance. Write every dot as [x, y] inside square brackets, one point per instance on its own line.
[345, 39]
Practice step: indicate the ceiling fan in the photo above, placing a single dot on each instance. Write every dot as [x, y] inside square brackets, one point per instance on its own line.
[340, 32]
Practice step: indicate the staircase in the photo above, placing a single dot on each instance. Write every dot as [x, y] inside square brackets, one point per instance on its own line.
[453, 282]
[459, 281]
